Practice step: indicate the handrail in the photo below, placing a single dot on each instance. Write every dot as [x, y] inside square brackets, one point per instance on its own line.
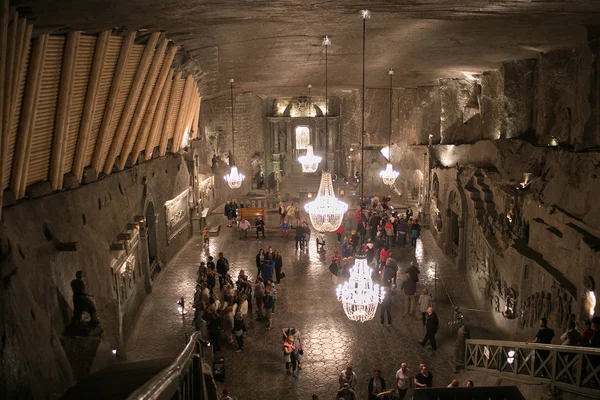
[168, 382]
[571, 368]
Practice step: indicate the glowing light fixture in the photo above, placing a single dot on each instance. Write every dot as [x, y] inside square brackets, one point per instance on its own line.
[234, 178]
[310, 162]
[359, 295]
[326, 211]
[389, 175]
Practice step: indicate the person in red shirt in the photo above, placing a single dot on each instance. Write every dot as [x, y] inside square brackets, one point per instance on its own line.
[340, 231]
[358, 217]
[385, 254]
[587, 333]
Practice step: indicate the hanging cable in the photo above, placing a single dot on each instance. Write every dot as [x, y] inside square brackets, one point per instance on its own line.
[232, 128]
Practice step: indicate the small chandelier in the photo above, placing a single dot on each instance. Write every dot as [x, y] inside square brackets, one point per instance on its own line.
[310, 162]
[389, 175]
[326, 211]
[234, 178]
[359, 295]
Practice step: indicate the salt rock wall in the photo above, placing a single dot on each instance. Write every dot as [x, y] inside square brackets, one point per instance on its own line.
[460, 120]
[35, 295]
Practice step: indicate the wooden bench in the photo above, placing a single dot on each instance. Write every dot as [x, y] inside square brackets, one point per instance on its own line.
[252, 214]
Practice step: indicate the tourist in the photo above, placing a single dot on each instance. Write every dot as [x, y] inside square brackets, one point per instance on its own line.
[289, 212]
[270, 254]
[470, 384]
[273, 292]
[339, 232]
[383, 255]
[453, 384]
[241, 306]
[424, 304]
[379, 243]
[389, 233]
[415, 233]
[386, 306]
[369, 249]
[409, 213]
[376, 386]
[358, 217]
[268, 302]
[295, 334]
[334, 268]
[226, 395]
[268, 268]
[354, 241]
[227, 323]
[211, 273]
[347, 376]
[302, 230]
[346, 393]
[214, 329]
[222, 269]
[414, 272]
[206, 236]
[288, 354]
[346, 248]
[239, 328]
[544, 335]
[402, 229]
[391, 270]
[587, 333]
[403, 378]
[278, 260]
[244, 226]
[202, 271]
[431, 328]
[234, 211]
[260, 227]
[259, 290]
[260, 259]
[297, 213]
[285, 228]
[424, 378]
[572, 337]
[227, 212]
[373, 223]
[409, 288]
[282, 212]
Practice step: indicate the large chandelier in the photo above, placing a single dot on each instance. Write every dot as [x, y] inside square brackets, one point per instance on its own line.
[326, 211]
[310, 162]
[234, 178]
[359, 295]
[389, 175]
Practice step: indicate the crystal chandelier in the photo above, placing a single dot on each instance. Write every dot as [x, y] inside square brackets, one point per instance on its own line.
[310, 162]
[234, 178]
[326, 211]
[359, 295]
[389, 175]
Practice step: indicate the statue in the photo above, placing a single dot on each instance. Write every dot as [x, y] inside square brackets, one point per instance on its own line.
[82, 301]
[567, 316]
[496, 304]
[548, 305]
[532, 311]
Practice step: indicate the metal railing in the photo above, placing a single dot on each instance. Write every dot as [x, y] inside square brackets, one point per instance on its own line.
[183, 379]
[570, 368]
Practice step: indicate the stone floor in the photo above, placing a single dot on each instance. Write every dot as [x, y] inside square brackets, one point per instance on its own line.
[307, 301]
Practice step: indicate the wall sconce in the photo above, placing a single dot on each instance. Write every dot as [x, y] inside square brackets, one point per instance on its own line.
[342, 193]
[553, 142]
[309, 195]
[430, 140]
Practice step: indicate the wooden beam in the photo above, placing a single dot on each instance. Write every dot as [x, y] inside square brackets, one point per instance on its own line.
[61, 125]
[130, 104]
[162, 149]
[89, 108]
[3, 85]
[158, 116]
[186, 99]
[196, 121]
[142, 103]
[111, 103]
[28, 111]
[189, 116]
[165, 72]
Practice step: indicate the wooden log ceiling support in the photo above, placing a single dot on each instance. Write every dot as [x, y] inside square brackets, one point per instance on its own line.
[3, 92]
[195, 122]
[91, 97]
[28, 112]
[186, 99]
[140, 110]
[130, 104]
[164, 138]
[157, 126]
[189, 116]
[61, 126]
[165, 73]
[111, 103]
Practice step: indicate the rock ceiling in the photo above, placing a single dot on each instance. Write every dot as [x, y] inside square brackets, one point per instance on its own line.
[273, 47]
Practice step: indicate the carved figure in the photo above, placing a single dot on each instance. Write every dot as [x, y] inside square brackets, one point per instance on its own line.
[496, 304]
[532, 311]
[567, 316]
[548, 310]
[82, 301]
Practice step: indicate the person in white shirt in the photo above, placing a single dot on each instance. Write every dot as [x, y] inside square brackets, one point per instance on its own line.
[403, 380]
[424, 304]
[348, 376]
[242, 307]
[244, 226]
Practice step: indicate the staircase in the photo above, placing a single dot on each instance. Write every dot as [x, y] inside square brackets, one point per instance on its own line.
[116, 382]
[297, 184]
[482, 197]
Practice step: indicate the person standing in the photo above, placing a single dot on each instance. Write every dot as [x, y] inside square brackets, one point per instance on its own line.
[431, 328]
[288, 354]
[282, 212]
[403, 381]
[268, 268]
[587, 333]
[572, 337]
[348, 377]
[278, 266]
[386, 306]
[409, 288]
[260, 258]
[222, 269]
[424, 304]
[268, 303]
[340, 232]
[211, 274]
[414, 272]
[402, 229]
[239, 328]
[227, 213]
[544, 334]
[376, 385]
[415, 233]
[423, 379]
[346, 248]
[346, 393]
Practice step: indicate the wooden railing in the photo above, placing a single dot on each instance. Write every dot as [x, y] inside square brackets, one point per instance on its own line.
[570, 368]
[182, 380]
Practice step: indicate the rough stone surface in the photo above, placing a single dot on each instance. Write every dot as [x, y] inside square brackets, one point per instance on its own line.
[519, 88]
[460, 120]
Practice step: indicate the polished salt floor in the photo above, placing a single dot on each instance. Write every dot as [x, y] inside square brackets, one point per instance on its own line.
[307, 301]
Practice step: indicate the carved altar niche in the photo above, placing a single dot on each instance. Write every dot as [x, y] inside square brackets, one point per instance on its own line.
[177, 215]
[125, 266]
[206, 192]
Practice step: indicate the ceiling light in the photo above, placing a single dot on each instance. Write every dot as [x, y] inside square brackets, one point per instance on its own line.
[388, 175]
[234, 178]
[359, 295]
